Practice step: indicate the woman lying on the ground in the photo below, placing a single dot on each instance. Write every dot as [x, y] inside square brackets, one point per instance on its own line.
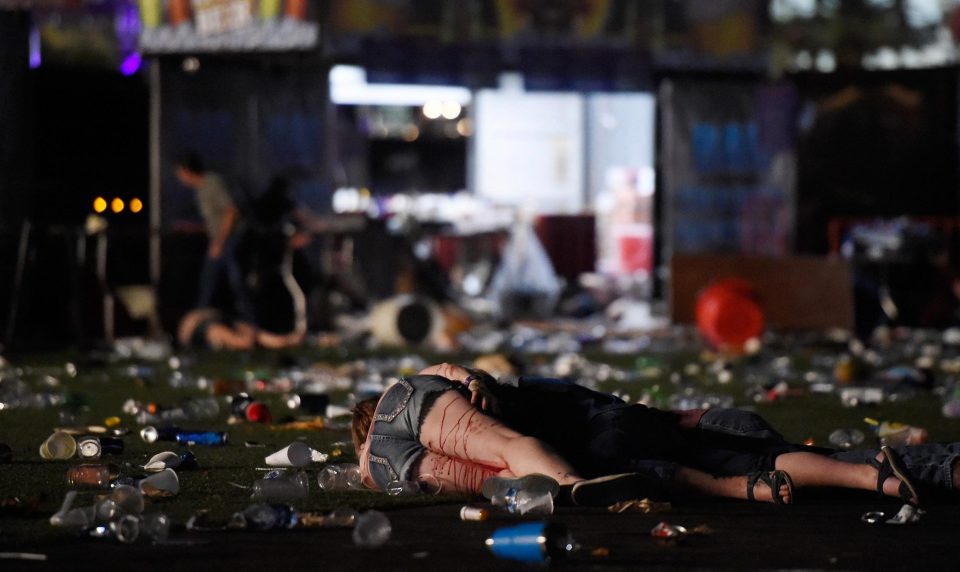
[427, 424]
[208, 328]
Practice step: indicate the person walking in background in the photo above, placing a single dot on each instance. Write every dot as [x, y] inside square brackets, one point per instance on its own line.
[221, 219]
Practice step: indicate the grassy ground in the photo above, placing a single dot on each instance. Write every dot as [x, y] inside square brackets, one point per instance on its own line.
[101, 386]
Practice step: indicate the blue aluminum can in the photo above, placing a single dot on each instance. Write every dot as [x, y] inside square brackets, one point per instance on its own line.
[531, 542]
[202, 438]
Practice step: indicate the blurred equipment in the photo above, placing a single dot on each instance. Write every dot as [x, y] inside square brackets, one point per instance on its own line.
[525, 284]
[799, 293]
[406, 320]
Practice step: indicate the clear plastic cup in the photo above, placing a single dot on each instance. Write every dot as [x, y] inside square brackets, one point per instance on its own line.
[372, 529]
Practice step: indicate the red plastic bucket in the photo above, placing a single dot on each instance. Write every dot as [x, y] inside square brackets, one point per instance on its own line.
[729, 314]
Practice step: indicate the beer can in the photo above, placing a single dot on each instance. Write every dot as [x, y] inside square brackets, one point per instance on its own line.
[531, 542]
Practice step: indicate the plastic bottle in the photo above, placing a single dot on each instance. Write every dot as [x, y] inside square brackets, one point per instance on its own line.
[202, 407]
[94, 447]
[312, 403]
[340, 477]
[278, 487]
[92, 475]
[151, 434]
[372, 528]
[338, 517]
[895, 434]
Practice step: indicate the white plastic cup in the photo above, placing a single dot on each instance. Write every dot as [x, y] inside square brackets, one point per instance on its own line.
[164, 483]
[296, 454]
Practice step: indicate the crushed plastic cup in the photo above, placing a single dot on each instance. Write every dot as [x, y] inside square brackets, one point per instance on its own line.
[908, 514]
[281, 488]
[372, 529]
[526, 502]
[58, 447]
[855, 396]
[665, 530]
[296, 454]
[846, 438]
